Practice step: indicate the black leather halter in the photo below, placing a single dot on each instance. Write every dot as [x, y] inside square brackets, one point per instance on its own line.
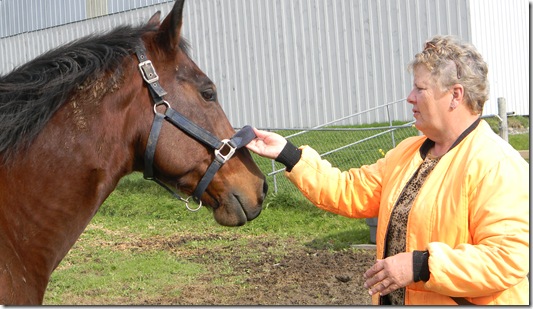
[223, 149]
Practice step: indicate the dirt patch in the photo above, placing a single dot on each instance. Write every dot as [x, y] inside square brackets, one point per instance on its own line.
[258, 271]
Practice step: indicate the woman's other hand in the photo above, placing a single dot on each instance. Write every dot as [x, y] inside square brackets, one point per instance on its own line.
[390, 274]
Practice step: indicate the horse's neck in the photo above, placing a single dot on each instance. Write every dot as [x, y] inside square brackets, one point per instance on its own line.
[58, 185]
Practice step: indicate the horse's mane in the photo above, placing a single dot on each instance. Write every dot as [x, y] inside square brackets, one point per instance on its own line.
[33, 92]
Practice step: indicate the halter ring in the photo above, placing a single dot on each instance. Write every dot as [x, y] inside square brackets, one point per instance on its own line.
[192, 209]
[167, 105]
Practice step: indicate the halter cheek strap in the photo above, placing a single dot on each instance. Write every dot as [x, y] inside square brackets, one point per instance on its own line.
[223, 149]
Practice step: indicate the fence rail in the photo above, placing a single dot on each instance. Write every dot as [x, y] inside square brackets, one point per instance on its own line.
[343, 146]
[347, 146]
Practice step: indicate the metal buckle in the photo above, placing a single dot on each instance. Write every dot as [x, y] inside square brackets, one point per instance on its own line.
[223, 157]
[148, 72]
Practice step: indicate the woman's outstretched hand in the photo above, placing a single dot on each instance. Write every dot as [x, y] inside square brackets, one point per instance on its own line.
[267, 144]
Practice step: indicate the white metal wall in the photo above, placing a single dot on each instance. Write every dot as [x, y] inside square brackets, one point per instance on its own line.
[292, 63]
[18, 16]
[500, 31]
[300, 63]
[16, 50]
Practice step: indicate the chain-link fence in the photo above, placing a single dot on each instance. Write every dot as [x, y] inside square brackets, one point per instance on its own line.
[343, 146]
[352, 146]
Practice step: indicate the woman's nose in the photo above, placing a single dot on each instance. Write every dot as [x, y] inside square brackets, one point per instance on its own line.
[411, 97]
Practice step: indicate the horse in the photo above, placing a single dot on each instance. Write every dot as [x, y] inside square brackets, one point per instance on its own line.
[78, 118]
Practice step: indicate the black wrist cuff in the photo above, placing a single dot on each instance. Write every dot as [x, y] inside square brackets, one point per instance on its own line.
[289, 156]
[420, 265]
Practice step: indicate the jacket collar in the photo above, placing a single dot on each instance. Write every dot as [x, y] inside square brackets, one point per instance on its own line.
[428, 144]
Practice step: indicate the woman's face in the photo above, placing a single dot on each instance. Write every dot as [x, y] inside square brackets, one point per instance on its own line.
[431, 105]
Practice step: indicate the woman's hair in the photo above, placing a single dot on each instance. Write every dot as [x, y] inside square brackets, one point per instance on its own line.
[451, 62]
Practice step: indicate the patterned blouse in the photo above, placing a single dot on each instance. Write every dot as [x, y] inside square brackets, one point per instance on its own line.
[398, 222]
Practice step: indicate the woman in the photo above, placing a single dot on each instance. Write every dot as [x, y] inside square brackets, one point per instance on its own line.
[452, 205]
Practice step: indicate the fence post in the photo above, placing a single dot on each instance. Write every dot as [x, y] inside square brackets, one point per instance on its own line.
[502, 112]
[275, 175]
[372, 224]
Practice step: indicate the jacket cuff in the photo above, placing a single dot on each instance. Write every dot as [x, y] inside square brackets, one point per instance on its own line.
[289, 156]
[420, 265]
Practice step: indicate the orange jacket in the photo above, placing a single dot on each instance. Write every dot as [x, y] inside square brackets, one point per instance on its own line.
[472, 214]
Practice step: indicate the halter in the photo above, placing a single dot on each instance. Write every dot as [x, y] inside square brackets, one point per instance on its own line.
[223, 149]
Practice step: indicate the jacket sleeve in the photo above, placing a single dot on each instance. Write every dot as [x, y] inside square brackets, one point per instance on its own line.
[354, 193]
[497, 255]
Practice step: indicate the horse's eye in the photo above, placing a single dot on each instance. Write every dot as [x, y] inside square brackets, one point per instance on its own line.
[209, 95]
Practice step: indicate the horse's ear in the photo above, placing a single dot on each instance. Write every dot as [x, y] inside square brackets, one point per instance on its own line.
[169, 32]
[155, 19]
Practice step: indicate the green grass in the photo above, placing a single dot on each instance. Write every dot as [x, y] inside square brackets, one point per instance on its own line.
[111, 276]
[119, 258]
[519, 141]
[143, 243]
[139, 206]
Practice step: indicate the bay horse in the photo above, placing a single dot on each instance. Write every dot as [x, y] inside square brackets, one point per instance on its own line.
[76, 119]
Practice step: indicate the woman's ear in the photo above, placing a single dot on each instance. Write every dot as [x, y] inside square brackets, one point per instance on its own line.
[458, 91]
[457, 95]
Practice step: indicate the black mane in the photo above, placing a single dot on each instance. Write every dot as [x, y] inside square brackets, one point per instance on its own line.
[33, 92]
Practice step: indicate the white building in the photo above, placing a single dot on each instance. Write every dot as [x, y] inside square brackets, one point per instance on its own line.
[298, 63]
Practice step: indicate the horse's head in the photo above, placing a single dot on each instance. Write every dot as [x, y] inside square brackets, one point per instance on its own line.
[181, 159]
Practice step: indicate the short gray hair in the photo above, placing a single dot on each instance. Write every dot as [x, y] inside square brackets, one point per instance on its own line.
[451, 62]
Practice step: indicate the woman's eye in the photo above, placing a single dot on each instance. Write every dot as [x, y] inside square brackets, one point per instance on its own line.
[209, 95]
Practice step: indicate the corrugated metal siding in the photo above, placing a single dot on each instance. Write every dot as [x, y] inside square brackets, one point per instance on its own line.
[301, 63]
[16, 50]
[500, 30]
[19, 16]
[291, 63]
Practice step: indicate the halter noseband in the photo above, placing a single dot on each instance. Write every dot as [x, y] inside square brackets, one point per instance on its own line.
[223, 149]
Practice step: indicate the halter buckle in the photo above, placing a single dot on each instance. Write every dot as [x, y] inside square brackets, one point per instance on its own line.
[148, 72]
[225, 152]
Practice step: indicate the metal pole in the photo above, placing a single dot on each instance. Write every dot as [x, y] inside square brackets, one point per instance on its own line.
[275, 179]
[502, 112]
[390, 125]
